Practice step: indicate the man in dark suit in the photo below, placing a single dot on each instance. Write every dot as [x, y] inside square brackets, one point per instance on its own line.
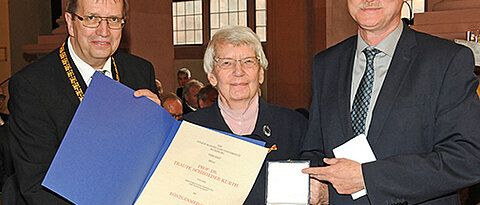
[46, 94]
[3, 116]
[420, 114]
[190, 91]
[5, 161]
[183, 76]
[173, 105]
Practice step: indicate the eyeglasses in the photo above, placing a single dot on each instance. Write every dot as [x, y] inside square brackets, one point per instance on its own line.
[230, 63]
[94, 21]
[177, 116]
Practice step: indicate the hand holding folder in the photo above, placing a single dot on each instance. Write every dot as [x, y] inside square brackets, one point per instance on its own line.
[118, 146]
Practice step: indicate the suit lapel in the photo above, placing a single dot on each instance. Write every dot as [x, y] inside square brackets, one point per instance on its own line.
[398, 71]
[263, 129]
[345, 69]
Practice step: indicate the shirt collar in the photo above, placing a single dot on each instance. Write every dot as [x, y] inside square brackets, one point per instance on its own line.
[194, 109]
[243, 121]
[86, 70]
[387, 45]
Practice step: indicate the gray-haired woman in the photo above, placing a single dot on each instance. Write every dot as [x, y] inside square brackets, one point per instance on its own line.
[235, 63]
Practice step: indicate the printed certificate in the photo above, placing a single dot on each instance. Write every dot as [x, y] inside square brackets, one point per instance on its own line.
[203, 166]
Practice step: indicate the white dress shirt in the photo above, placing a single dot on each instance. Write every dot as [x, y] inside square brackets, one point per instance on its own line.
[381, 64]
[86, 70]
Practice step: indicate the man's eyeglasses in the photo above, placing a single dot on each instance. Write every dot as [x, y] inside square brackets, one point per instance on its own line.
[94, 21]
[229, 63]
[177, 116]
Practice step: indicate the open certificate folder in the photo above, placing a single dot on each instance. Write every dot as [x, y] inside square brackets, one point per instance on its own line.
[125, 150]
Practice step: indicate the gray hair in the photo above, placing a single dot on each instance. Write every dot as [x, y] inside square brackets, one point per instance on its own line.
[236, 35]
[172, 96]
[191, 83]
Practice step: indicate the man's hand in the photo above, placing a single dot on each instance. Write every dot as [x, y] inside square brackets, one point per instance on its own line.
[344, 174]
[318, 192]
[147, 93]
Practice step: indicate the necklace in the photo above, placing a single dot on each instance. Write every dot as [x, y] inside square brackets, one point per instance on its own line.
[71, 76]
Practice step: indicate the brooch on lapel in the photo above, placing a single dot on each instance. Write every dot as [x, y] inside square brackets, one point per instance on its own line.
[267, 131]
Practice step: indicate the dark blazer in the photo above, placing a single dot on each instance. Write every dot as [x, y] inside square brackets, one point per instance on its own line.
[424, 131]
[4, 117]
[287, 128]
[180, 92]
[42, 104]
[6, 167]
[185, 107]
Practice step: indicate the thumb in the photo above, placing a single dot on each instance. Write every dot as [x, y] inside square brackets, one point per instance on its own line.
[329, 161]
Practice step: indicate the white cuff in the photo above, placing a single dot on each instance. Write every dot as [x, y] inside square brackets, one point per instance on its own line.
[359, 194]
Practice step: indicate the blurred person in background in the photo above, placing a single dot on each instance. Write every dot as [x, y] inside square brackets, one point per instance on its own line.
[207, 96]
[190, 91]
[173, 104]
[183, 76]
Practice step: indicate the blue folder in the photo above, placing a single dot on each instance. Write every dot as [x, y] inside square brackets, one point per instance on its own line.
[112, 146]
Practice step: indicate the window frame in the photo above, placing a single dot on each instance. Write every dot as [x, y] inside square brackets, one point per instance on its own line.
[192, 15]
[196, 51]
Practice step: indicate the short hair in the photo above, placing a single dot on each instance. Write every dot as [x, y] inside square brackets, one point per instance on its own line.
[236, 35]
[172, 96]
[184, 71]
[202, 94]
[72, 6]
[190, 84]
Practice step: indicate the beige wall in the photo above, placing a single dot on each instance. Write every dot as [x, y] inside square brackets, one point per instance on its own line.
[28, 19]
[431, 3]
[4, 41]
[339, 22]
[149, 34]
[194, 65]
[4, 46]
[290, 40]
[296, 31]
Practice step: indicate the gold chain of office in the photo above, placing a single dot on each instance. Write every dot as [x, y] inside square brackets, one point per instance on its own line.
[71, 76]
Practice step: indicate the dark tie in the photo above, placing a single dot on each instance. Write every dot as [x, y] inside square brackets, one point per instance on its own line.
[363, 95]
